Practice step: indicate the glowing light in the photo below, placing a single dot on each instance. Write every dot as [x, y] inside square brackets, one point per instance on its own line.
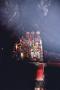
[16, 46]
[22, 55]
[32, 49]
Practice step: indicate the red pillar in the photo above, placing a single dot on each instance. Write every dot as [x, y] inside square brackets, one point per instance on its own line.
[39, 80]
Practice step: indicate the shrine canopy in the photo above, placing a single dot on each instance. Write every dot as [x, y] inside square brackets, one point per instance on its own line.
[30, 47]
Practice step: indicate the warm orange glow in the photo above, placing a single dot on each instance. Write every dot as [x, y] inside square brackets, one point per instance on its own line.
[16, 46]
